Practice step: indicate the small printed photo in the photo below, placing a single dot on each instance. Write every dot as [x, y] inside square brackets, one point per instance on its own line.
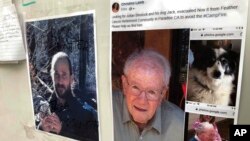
[62, 69]
[115, 7]
[149, 74]
[213, 71]
[206, 128]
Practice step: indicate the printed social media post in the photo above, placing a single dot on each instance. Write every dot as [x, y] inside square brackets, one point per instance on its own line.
[204, 44]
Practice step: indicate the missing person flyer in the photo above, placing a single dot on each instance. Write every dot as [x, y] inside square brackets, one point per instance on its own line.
[176, 67]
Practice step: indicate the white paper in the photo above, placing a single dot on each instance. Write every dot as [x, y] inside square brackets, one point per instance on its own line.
[11, 41]
[162, 14]
[209, 21]
[5, 3]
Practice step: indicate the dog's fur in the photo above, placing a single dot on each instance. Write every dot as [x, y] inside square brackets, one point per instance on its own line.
[211, 76]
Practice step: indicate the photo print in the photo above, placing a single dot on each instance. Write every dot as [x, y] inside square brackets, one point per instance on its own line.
[62, 69]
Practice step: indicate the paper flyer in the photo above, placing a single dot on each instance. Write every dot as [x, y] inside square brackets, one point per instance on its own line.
[204, 43]
[11, 40]
[62, 70]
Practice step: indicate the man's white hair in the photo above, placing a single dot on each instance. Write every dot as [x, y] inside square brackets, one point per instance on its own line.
[150, 58]
[203, 127]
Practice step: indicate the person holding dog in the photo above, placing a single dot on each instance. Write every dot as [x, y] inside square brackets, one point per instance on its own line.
[211, 120]
[205, 131]
[140, 110]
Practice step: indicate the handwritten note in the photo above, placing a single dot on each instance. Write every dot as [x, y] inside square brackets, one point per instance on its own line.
[11, 41]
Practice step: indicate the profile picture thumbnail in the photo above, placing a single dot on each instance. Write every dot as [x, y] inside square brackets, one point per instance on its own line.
[115, 7]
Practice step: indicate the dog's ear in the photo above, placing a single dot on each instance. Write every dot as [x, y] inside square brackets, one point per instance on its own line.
[204, 56]
[234, 59]
[200, 52]
[228, 47]
[196, 50]
[195, 46]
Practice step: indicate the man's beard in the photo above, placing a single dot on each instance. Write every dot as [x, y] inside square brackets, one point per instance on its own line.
[65, 94]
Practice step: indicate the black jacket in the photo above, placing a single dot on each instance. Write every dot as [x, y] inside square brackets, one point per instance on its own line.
[78, 122]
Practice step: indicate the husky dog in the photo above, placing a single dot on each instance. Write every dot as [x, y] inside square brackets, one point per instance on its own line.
[211, 76]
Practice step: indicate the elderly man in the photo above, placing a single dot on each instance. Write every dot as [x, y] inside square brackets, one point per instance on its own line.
[205, 131]
[141, 111]
[68, 115]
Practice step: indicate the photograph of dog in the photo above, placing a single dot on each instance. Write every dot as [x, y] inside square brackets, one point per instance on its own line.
[213, 72]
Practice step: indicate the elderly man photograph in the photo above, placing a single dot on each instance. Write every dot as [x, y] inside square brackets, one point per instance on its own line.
[205, 131]
[140, 109]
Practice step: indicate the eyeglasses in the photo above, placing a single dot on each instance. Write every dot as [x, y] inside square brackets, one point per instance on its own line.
[150, 94]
